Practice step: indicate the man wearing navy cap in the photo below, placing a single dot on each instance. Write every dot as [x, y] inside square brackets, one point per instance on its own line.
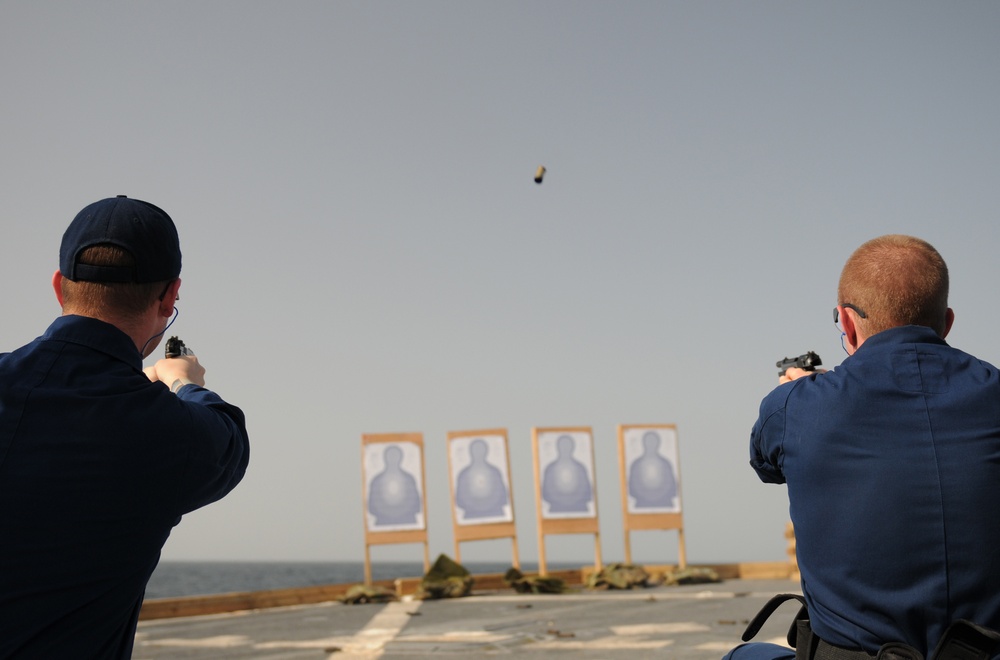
[99, 459]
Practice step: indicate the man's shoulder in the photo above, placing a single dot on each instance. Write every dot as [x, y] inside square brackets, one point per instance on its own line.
[15, 359]
[782, 393]
[914, 341]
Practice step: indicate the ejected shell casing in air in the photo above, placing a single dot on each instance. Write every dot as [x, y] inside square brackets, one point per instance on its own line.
[539, 173]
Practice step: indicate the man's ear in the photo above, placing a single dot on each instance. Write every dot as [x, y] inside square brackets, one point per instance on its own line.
[949, 319]
[850, 329]
[169, 298]
[57, 279]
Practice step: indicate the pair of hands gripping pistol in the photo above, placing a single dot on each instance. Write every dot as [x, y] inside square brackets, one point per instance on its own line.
[791, 368]
[176, 348]
[178, 368]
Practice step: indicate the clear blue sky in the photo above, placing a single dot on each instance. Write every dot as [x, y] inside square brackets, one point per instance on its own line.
[365, 250]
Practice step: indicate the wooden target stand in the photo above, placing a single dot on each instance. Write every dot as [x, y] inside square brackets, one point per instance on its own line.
[563, 524]
[472, 531]
[395, 534]
[636, 520]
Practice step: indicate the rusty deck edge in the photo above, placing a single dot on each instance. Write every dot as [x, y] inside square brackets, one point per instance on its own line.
[166, 608]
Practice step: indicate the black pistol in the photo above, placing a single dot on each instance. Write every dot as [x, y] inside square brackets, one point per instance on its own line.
[809, 361]
[176, 348]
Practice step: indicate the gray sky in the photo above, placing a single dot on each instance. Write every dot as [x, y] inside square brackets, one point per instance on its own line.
[365, 250]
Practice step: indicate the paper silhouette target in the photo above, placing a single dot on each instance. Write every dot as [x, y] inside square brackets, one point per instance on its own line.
[480, 482]
[651, 470]
[393, 486]
[566, 464]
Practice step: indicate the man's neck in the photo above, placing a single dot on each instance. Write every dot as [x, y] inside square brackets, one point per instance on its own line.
[138, 329]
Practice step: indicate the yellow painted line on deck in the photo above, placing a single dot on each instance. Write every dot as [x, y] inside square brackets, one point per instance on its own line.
[659, 628]
[370, 641]
[460, 636]
[217, 642]
[604, 644]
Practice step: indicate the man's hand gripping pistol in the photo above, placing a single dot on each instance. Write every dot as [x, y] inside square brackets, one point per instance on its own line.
[807, 362]
[193, 373]
[176, 348]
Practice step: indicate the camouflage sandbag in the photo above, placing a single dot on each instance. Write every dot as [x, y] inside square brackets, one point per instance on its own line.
[446, 579]
[690, 576]
[618, 576]
[534, 584]
[361, 594]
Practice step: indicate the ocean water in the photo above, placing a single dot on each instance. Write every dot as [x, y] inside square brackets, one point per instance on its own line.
[172, 579]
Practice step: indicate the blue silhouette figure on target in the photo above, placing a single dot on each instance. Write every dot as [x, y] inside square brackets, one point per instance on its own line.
[393, 496]
[651, 479]
[565, 483]
[479, 490]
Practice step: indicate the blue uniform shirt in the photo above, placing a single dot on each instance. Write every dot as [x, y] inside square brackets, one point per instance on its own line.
[892, 462]
[97, 464]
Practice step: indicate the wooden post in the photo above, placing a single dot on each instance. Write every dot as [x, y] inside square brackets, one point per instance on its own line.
[482, 500]
[565, 486]
[394, 500]
[649, 460]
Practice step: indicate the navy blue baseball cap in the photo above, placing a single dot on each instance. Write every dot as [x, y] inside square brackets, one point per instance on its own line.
[140, 228]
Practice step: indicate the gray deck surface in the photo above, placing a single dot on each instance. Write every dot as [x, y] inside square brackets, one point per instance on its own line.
[696, 622]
